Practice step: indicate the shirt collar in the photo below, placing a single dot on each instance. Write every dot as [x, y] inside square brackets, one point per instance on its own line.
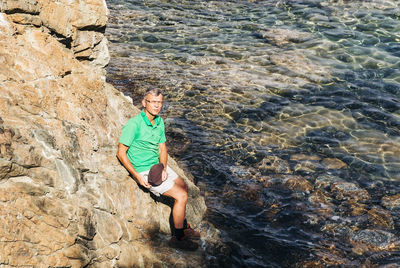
[147, 121]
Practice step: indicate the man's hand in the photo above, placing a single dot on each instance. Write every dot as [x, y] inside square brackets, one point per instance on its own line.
[143, 182]
[164, 175]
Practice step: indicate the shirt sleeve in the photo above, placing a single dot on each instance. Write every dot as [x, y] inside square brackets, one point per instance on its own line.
[162, 138]
[127, 134]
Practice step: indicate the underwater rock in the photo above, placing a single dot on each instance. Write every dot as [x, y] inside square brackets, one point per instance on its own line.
[322, 203]
[380, 218]
[280, 37]
[300, 157]
[348, 190]
[274, 164]
[325, 181]
[333, 163]
[391, 202]
[373, 240]
[308, 166]
[355, 208]
[297, 183]
[337, 229]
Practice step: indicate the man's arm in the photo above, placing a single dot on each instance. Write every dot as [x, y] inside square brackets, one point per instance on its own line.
[121, 154]
[163, 155]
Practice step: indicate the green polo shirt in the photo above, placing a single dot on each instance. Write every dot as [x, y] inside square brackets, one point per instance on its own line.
[143, 139]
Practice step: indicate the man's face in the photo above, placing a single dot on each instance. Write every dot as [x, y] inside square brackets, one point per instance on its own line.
[153, 104]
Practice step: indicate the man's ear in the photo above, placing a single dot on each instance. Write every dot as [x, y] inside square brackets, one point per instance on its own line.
[144, 103]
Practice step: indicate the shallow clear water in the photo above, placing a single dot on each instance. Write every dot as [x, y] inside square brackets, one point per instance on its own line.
[264, 93]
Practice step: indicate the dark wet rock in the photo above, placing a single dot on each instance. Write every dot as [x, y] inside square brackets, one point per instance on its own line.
[373, 240]
[255, 114]
[274, 164]
[218, 254]
[356, 209]
[318, 197]
[329, 133]
[378, 115]
[318, 17]
[391, 202]
[299, 157]
[377, 186]
[390, 265]
[294, 65]
[348, 190]
[325, 181]
[319, 140]
[391, 105]
[380, 218]
[337, 229]
[233, 54]
[243, 173]
[281, 37]
[150, 39]
[276, 100]
[177, 142]
[312, 220]
[392, 88]
[329, 256]
[269, 109]
[314, 263]
[338, 34]
[297, 183]
[308, 166]
[275, 180]
[221, 61]
[345, 57]
[321, 203]
[253, 193]
[333, 163]
[284, 92]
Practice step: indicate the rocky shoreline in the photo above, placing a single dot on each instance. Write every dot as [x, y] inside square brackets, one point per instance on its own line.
[339, 213]
[65, 200]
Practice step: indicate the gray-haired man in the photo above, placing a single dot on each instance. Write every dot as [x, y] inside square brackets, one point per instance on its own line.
[142, 145]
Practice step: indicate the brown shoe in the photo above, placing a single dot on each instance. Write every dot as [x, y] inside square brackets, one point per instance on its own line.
[184, 243]
[191, 233]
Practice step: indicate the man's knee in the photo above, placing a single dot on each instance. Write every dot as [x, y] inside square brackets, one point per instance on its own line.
[181, 183]
[182, 196]
[185, 186]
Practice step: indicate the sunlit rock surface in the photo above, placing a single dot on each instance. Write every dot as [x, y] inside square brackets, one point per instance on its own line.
[65, 200]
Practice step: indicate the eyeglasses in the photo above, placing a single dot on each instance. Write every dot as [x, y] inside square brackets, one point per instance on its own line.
[154, 102]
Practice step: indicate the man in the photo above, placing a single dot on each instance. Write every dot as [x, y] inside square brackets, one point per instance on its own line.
[142, 145]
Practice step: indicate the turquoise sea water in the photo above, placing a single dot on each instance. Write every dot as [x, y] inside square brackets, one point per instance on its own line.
[285, 112]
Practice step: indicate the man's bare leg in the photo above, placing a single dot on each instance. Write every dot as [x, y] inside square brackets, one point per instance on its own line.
[179, 181]
[179, 193]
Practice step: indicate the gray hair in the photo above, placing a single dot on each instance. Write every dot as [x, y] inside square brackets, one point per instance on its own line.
[153, 91]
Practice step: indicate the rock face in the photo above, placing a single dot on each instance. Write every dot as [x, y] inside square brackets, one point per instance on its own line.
[77, 24]
[65, 200]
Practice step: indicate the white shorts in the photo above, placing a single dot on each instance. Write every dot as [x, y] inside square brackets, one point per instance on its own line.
[165, 185]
